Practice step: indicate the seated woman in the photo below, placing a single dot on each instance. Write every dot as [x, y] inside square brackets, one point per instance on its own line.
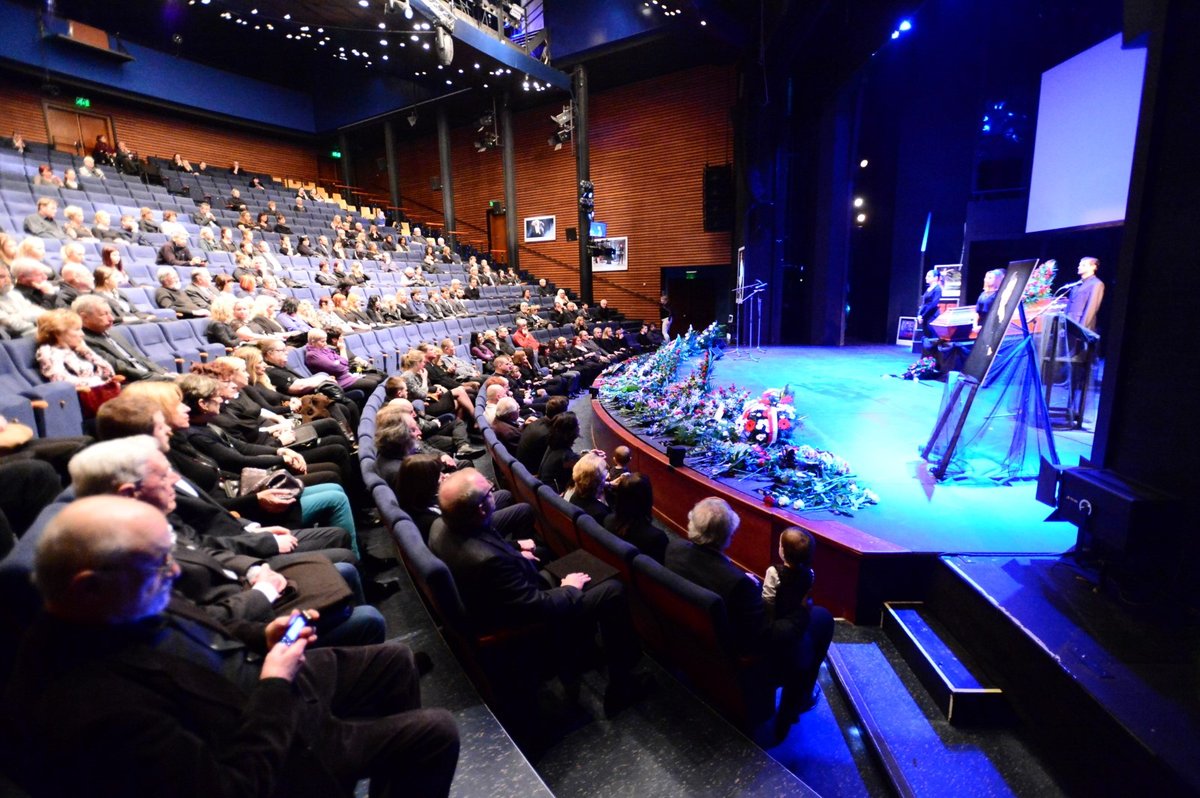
[220, 329]
[123, 310]
[437, 398]
[62, 356]
[588, 477]
[416, 488]
[794, 651]
[632, 516]
[481, 351]
[180, 164]
[320, 356]
[559, 461]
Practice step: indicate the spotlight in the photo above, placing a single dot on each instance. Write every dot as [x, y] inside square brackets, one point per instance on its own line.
[895, 34]
[445, 46]
[863, 163]
[905, 25]
[861, 218]
[858, 202]
[557, 140]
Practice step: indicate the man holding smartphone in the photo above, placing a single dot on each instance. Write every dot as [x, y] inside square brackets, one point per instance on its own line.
[140, 693]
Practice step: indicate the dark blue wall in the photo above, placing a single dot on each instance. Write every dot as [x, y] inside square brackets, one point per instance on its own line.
[580, 25]
[155, 75]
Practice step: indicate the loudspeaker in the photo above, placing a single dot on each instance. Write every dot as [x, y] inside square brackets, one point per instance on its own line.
[435, 184]
[572, 233]
[718, 198]
[675, 455]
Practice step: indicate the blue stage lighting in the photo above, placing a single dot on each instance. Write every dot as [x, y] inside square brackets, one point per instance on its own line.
[905, 25]
[895, 34]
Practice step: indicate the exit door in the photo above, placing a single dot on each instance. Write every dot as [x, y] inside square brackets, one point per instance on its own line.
[698, 296]
[75, 132]
[497, 237]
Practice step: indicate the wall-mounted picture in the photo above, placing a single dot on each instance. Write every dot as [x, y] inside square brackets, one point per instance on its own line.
[610, 254]
[539, 228]
[951, 274]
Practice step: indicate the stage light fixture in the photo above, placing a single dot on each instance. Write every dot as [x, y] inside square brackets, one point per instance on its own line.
[445, 46]
[861, 218]
[905, 25]
[858, 202]
[412, 119]
[895, 34]
[863, 163]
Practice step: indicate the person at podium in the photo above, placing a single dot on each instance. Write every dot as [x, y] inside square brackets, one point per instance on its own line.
[1083, 300]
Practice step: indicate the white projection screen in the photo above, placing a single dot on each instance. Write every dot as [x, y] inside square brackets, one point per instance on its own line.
[1083, 150]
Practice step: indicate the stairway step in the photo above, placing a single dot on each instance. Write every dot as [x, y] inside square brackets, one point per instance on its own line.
[942, 665]
[920, 753]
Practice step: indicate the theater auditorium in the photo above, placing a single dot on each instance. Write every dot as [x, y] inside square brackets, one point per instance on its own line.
[598, 397]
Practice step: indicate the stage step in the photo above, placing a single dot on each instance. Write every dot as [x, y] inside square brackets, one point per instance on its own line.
[942, 665]
[920, 753]
[1105, 689]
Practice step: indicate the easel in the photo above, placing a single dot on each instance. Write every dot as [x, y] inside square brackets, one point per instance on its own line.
[973, 382]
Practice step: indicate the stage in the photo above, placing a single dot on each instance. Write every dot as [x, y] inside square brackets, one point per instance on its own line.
[852, 406]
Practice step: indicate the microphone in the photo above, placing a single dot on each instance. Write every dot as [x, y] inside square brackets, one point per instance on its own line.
[1068, 287]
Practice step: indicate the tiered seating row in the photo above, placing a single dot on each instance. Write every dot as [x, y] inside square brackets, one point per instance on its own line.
[681, 624]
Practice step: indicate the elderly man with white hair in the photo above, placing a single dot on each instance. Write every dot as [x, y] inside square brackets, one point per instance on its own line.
[18, 316]
[89, 169]
[32, 281]
[76, 281]
[176, 252]
[794, 651]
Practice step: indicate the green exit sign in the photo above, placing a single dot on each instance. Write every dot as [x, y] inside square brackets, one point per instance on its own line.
[83, 102]
[689, 276]
[335, 154]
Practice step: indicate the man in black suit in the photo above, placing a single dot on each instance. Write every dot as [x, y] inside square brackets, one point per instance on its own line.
[138, 690]
[42, 223]
[794, 652]
[110, 344]
[502, 589]
[535, 435]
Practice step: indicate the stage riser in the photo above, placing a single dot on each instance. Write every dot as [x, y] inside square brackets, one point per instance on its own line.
[1089, 749]
[856, 572]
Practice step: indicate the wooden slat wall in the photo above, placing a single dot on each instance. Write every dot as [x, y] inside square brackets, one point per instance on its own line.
[650, 143]
[155, 131]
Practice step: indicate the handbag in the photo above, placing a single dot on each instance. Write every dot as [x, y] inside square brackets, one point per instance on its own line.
[254, 480]
[91, 399]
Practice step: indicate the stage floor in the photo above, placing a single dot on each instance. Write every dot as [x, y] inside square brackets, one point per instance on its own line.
[878, 423]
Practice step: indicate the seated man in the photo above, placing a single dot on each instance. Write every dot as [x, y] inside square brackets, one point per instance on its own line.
[501, 588]
[177, 253]
[41, 223]
[794, 652]
[170, 295]
[137, 689]
[98, 333]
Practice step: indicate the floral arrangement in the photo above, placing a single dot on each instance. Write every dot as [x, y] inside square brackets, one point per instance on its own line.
[1041, 283]
[924, 369]
[728, 432]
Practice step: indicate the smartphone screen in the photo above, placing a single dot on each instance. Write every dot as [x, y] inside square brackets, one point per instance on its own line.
[292, 634]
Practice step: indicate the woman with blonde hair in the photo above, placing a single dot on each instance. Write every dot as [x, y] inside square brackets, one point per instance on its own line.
[588, 476]
[220, 329]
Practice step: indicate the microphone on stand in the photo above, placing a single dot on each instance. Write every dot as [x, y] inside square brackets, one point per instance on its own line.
[1068, 287]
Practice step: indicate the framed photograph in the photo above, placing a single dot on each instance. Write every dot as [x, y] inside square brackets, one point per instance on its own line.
[610, 254]
[951, 274]
[906, 329]
[539, 228]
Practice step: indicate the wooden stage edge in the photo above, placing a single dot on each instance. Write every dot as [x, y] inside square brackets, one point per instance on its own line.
[856, 572]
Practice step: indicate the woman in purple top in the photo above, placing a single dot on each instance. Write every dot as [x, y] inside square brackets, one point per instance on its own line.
[320, 356]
